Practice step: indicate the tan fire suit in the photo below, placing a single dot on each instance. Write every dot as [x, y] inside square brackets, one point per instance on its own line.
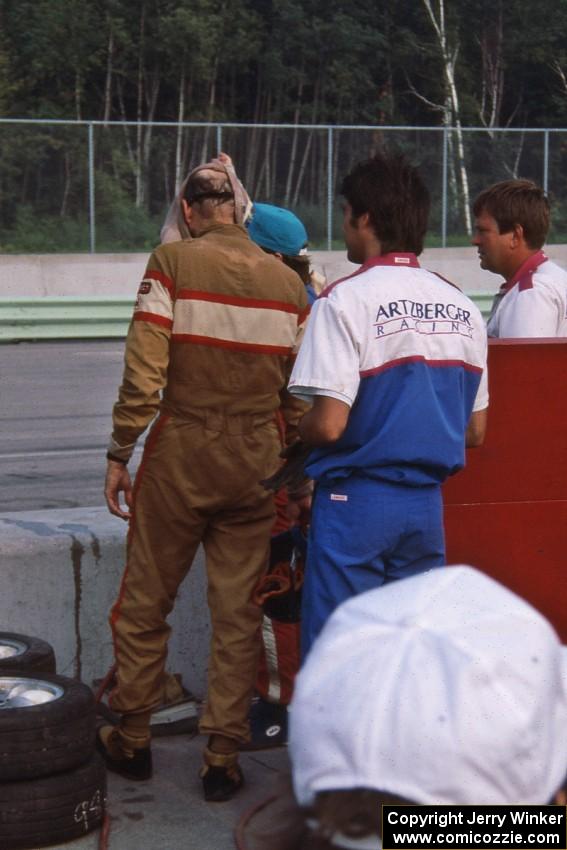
[215, 328]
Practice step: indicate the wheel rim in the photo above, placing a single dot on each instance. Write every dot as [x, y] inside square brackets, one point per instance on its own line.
[19, 692]
[11, 648]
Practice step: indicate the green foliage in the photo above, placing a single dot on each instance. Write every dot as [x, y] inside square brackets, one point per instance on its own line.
[124, 229]
[34, 234]
[257, 59]
[314, 217]
[121, 226]
[262, 61]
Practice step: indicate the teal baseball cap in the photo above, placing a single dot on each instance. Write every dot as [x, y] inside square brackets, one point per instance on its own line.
[277, 229]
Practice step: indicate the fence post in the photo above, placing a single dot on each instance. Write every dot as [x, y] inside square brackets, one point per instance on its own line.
[444, 188]
[545, 161]
[329, 188]
[219, 139]
[92, 238]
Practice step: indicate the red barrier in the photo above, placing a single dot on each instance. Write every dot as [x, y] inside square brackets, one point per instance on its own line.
[506, 512]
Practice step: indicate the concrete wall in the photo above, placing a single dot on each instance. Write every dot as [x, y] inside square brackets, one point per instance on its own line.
[120, 274]
[61, 573]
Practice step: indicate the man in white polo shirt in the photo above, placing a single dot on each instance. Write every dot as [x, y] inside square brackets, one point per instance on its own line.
[394, 359]
[512, 220]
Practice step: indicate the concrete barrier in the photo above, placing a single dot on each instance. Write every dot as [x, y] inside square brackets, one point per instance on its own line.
[82, 296]
[105, 275]
[56, 275]
[61, 572]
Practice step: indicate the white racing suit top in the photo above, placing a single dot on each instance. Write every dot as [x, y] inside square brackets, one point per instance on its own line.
[533, 303]
[406, 350]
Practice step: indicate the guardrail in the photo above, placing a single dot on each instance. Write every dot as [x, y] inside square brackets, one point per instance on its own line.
[78, 317]
[64, 317]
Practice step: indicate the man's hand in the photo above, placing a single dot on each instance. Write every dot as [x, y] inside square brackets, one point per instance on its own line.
[118, 481]
[291, 474]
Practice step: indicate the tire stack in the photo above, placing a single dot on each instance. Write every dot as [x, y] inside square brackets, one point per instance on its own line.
[52, 783]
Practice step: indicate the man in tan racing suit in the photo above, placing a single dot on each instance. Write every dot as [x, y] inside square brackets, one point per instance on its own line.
[215, 328]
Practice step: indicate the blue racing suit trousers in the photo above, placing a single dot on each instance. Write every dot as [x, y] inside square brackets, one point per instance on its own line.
[365, 533]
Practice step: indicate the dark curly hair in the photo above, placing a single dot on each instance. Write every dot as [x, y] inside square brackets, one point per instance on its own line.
[391, 191]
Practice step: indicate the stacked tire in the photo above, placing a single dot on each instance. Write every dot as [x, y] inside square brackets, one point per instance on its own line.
[52, 783]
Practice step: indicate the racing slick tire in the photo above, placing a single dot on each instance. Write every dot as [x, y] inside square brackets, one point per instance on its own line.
[22, 652]
[47, 725]
[54, 809]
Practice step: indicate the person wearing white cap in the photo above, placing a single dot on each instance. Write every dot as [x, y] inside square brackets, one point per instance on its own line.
[445, 688]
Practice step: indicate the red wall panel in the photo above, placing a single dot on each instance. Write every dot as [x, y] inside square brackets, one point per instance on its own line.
[506, 512]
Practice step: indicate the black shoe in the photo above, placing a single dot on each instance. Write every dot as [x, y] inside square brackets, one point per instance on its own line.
[137, 767]
[268, 725]
[221, 783]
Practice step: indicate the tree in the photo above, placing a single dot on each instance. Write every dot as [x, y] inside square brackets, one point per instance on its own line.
[448, 43]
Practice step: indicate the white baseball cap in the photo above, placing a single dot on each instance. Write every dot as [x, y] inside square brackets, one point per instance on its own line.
[442, 688]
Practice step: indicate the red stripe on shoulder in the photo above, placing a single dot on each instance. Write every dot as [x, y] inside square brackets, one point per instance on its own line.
[154, 274]
[303, 315]
[446, 279]
[393, 259]
[236, 300]
[153, 318]
[229, 345]
[526, 281]
[328, 289]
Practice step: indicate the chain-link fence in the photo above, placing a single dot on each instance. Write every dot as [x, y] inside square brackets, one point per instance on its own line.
[88, 186]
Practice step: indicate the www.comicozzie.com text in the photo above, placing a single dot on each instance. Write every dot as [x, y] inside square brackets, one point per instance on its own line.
[461, 827]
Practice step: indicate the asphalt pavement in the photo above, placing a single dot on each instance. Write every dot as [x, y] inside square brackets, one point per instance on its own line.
[56, 403]
[168, 811]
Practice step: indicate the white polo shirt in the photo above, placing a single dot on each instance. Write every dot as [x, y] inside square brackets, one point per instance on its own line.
[407, 351]
[533, 303]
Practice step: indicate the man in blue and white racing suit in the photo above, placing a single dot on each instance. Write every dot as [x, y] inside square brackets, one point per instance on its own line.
[394, 360]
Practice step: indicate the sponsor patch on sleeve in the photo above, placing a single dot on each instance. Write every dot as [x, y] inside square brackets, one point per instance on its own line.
[145, 287]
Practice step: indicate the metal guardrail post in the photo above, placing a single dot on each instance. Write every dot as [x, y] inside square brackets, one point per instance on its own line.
[92, 234]
[545, 161]
[219, 138]
[329, 188]
[444, 189]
